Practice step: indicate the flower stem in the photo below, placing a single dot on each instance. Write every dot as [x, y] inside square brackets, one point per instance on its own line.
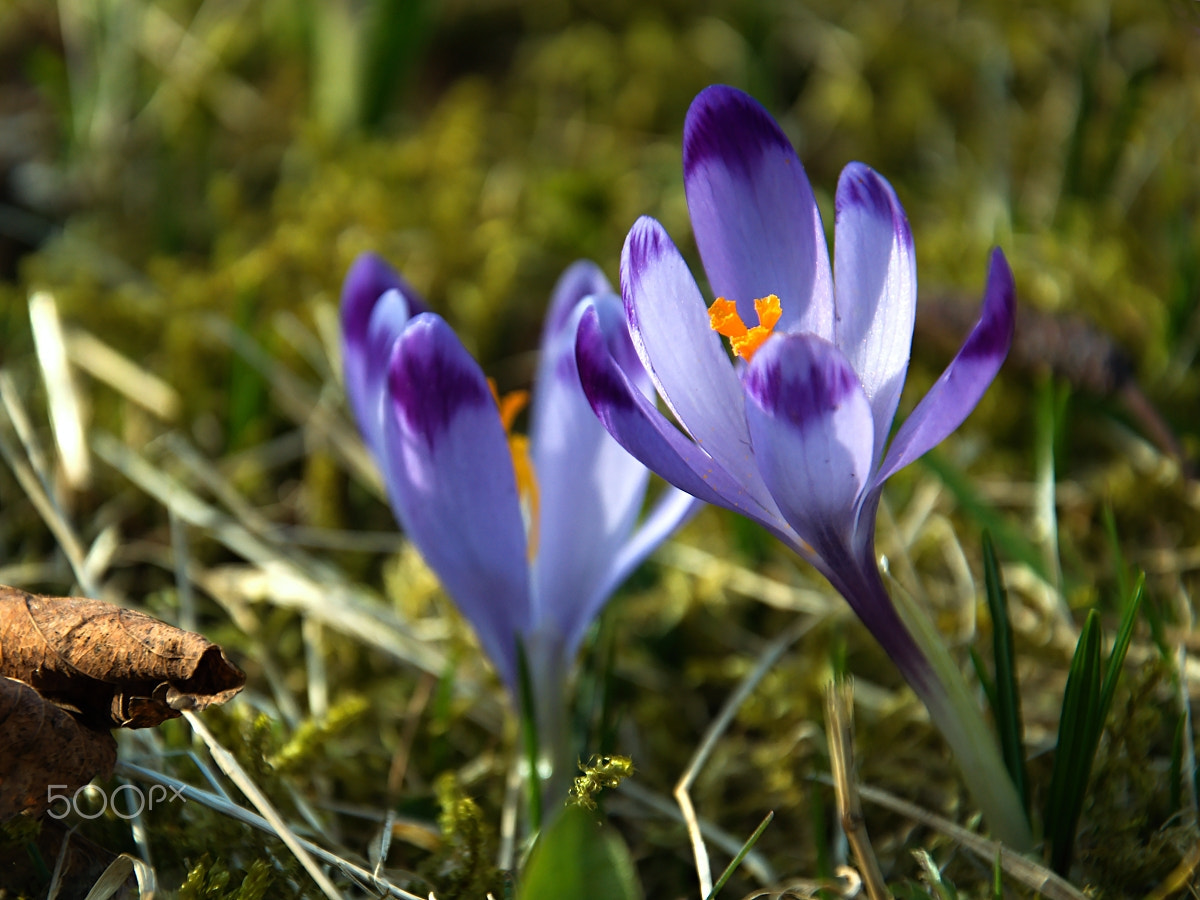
[956, 715]
[908, 636]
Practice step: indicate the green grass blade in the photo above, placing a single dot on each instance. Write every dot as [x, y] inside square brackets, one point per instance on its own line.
[1116, 659]
[1114, 545]
[394, 32]
[818, 820]
[1086, 704]
[1009, 538]
[985, 680]
[1006, 705]
[939, 887]
[741, 854]
[1076, 746]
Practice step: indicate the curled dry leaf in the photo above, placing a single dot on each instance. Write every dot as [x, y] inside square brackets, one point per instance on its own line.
[115, 667]
[41, 745]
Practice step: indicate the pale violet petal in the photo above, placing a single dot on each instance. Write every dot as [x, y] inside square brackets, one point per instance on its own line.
[670, 511]
[580, 280]
[965, 380]
[756, 223]
[591, 489]
[368, 279]
[640, 428]
[813, 434]
[669, 325]
[875, 284]
[388, 319]
[450, 477]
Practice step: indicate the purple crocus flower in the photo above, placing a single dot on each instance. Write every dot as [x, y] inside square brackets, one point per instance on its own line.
[795, 434]
[529, 537]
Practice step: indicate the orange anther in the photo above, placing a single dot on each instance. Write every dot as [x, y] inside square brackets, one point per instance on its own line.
[527, 488]
[723, 318]
[510, 406]
[768, 310]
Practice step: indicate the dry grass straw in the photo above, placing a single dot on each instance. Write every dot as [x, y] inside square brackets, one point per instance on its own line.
[839, 719]
[226, 807]
[766, 661]
[66, 410]
[36, 479]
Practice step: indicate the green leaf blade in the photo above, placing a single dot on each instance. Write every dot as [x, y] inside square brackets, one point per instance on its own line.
[1005, 693]
[1077, 735]
[580, 858]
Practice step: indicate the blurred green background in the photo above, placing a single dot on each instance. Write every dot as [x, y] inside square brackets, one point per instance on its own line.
[191, 180]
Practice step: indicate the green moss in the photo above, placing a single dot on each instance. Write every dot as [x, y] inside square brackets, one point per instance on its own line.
[463, 866]
[210, 880]
[309, 746]
[1131, 837]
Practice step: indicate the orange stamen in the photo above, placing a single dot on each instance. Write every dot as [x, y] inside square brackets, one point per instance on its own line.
[527, 488]
[723, 318]
[510, 406]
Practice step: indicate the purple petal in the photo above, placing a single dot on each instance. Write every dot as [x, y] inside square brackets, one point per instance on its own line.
[450, 478]
[368, 278]
[690, 367]
[591, 489]
[857, 579]
[387, 323]
[875, 283]
[581, 279]
[965, 380]
[813, 435]
[640, 428]
[757, 226]
[670, 511]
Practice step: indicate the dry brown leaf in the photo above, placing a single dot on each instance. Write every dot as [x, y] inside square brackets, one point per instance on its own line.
[117, 668]
[42, 745]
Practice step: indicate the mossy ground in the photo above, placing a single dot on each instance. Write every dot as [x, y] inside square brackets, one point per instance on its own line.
[196, 214]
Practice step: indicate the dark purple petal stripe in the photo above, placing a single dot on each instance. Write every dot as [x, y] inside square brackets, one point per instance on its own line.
[804, 396]
[756, 224]
[428, 385]
[862, 187]
[368, 279]
[731, 128]
[813, 436]
[450, 478]
[965, 380]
